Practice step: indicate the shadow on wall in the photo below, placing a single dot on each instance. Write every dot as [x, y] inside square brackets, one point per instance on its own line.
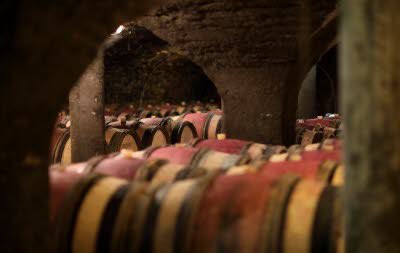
[141, 68]
[319, 91]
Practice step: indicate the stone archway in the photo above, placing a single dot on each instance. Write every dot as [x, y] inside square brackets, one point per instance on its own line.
[250, 51]
[132, 66]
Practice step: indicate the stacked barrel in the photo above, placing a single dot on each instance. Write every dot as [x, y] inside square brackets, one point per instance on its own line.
[131, 111]
[315, 130]
[207, 195]
[136, 129]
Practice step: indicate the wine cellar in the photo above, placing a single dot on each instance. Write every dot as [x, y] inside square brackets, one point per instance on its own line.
[199, 126]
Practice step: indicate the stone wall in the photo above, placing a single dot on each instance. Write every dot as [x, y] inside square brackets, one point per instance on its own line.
[251, 50]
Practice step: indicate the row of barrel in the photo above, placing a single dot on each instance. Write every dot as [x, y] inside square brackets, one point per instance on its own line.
[218, 196]
[316, 130]
[131, 111]
[139, 134]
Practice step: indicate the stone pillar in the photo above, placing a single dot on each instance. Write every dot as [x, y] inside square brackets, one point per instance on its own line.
[253, 102]
[86, 103]
[250, 50]
[370, 84]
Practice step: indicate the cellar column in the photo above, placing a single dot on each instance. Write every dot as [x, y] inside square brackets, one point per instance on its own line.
[87, 113]
[370, 82]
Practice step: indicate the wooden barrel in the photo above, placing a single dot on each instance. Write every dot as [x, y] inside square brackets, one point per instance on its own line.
[130, 221]
[118, 139]
[306, 217]
[207, 125]
[213, 126]
[178, 131]
[88, 216]
[171, 216]
[183, 132]
[177, 155]
[231, 215]
[162, 217]
[62, 151]
[152, 136]
[149, 135]
[60, 184]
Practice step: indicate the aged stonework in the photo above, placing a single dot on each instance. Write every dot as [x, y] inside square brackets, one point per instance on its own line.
[249, 49]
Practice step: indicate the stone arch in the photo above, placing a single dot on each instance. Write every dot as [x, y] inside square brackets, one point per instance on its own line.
[132, 66]
[141, 68]
[249, 50]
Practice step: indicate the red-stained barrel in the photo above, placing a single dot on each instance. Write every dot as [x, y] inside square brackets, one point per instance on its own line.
[208, 125]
